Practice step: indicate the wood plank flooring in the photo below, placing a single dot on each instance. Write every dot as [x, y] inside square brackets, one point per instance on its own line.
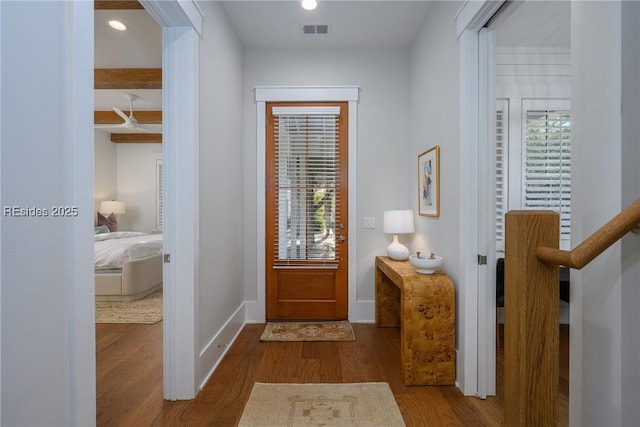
[129, 378]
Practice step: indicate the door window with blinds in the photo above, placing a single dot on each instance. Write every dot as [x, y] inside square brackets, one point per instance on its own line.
[534, 171]
[306, 160]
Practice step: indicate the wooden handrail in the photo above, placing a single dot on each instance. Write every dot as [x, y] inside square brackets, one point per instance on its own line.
[531, 364]
[595, 244]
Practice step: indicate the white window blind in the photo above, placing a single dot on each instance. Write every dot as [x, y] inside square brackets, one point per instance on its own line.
[307, 174]
[547, 164]
[159, 196]
[501, 191]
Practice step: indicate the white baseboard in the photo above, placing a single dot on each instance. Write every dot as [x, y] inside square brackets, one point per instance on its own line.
[214, 351]
[254, 312]
[362, 311]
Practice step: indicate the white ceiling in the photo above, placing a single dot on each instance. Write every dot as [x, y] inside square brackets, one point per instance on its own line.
[352, 24]
[278, 24]
[140, 46]
[535, 24]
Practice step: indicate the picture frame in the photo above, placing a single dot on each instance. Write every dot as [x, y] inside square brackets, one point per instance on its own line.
[429, 182]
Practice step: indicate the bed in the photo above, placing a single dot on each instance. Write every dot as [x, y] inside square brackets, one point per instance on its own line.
[128, 265]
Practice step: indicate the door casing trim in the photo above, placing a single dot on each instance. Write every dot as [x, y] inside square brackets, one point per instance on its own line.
[263, 94]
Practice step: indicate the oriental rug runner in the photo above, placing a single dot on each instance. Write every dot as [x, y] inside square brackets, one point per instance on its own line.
[327, 405]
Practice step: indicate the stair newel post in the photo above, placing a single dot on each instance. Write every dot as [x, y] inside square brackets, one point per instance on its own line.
[531, 365]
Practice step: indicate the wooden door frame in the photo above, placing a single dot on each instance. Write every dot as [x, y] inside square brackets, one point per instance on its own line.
[476, 333]
[256, 310]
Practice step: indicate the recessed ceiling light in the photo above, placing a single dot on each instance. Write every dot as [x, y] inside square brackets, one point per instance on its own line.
[309, 4]
[117, 25]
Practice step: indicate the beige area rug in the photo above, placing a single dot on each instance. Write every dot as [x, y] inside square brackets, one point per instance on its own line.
[147, 310]
[294, 405]
[308, 331]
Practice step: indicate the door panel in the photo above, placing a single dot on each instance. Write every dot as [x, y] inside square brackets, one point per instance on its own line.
[306, 285]
[306, 211]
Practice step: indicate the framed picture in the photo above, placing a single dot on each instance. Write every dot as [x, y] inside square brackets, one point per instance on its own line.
[429, 182]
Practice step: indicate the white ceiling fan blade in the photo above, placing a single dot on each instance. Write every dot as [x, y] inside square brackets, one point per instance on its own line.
[114, 126]
[121, 114]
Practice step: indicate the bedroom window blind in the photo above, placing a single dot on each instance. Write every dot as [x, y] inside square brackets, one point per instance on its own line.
[307, 174]
[159, 196]
[547, 164]
[500, 174]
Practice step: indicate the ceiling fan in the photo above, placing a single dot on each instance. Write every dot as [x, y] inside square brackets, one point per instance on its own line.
[130, 121]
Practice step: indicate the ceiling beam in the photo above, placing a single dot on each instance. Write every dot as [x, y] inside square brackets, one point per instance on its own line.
[143, 117]
[116, 4]
[127, 78]
[136, 137]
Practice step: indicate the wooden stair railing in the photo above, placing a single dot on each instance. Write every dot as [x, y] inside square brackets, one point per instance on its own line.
[532, 260]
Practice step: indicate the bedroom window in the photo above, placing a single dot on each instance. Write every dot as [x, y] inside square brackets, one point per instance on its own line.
[159, 195]
[501, 192]
[533, 161]
[547, 164]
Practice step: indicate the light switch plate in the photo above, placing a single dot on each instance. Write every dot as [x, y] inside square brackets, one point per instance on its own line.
[369, 222]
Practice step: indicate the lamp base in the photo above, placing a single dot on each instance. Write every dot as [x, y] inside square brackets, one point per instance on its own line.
[397, 250]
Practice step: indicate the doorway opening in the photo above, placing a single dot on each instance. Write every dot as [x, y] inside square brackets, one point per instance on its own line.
[128, 167]
[532, 137]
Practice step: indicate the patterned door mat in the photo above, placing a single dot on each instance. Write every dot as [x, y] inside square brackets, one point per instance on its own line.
[308, 331]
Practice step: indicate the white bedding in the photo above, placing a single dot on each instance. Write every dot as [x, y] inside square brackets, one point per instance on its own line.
[112, 250]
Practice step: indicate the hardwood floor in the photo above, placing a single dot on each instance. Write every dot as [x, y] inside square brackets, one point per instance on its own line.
[129, 378]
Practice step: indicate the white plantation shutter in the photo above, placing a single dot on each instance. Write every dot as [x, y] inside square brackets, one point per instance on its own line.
[547, 164]
[159, 196]
[501, 191]
[307, 174]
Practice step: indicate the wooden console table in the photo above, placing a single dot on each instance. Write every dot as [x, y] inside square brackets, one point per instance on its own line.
[424, 307]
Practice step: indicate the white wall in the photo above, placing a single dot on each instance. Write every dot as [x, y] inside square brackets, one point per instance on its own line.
[220, 294]
[435, 112]
[136, 185]
[384, 172]
[630, 193]
[105, 171]
[604, 297]
[434, 121]
[127, 172]
[47, 272]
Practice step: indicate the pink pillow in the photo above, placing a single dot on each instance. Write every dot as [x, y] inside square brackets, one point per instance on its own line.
[110, 221]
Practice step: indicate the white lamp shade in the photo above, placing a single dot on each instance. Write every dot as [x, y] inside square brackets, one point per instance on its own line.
[398, 222]
[112, 206]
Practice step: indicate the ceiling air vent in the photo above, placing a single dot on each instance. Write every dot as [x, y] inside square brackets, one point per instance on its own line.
[315, 29]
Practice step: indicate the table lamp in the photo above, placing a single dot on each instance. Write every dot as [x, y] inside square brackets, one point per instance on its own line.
[398, 222]
[112, 207]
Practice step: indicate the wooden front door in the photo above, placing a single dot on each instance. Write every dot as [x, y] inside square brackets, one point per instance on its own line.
[306, 211]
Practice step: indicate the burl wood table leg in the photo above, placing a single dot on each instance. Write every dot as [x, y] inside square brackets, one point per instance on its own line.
[428, 332]
[387, 301]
